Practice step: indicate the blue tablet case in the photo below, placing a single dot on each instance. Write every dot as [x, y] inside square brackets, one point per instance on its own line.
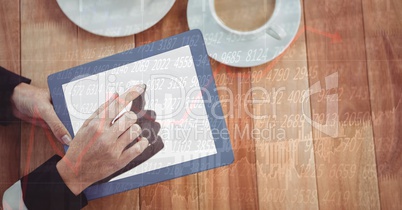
[194, 40]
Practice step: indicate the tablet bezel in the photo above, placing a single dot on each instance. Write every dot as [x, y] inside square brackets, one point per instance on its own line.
[194, 40]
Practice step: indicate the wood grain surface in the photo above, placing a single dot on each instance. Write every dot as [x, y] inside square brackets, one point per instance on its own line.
[382, 28]
[178, 193]
[91, 47]
[286, 169]
[337, 148]
[45, 37]
[9, 59]
[346, 157]
[233, 186]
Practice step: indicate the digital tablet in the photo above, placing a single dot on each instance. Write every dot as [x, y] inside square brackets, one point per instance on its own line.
[180, 91]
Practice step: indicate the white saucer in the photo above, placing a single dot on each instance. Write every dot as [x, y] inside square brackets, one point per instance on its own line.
[234, 50]
[115, 18]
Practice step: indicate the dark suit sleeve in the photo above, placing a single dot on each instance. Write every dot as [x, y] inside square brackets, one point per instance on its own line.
[8, 81]
[45, 189]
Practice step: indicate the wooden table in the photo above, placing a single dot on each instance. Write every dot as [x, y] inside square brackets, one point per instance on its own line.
[352, 49]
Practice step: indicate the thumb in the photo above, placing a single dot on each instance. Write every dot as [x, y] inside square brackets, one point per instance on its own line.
[57, 126]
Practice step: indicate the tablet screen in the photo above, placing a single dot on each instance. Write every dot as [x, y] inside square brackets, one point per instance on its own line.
[173, 92]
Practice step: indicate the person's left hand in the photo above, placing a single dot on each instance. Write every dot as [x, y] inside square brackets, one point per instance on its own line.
[34, 105]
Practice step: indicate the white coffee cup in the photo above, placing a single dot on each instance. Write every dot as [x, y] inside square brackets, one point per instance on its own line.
[270, 27]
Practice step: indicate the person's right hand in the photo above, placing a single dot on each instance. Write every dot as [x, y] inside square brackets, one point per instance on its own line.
[98, 149]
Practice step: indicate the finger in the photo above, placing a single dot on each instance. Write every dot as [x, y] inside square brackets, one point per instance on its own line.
[134, 151]
[122, 101]
[158, 145]
[120, 114]
[57, 127]
[148, 115]
[101, 108]
[150, 130]
[128, 138]
[124, 123]
[138, 103]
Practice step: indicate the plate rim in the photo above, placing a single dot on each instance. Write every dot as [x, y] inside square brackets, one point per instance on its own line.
[172, 2]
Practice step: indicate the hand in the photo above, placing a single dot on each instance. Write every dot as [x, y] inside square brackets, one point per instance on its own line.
[98, 149]
[34, 105]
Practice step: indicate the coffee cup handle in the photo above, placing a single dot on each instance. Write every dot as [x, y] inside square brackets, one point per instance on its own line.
[276, 31]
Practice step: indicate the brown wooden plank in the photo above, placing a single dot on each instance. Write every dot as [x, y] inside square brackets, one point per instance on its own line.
[46, 37]
[284, 146]
[345, 161]
[9, 59]
[233, 186]
[91, 47]
[125, 200]
[178, 193]
[382, 24]
[51, 44]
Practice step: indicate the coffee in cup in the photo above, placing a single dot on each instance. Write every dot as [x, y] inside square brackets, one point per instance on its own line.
[248, 18]
[244, 15]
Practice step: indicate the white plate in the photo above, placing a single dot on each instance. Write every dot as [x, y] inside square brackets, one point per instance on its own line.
[115, 18]
[234, 50]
